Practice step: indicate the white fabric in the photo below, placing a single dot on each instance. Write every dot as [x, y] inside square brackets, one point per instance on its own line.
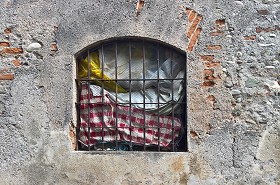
[169, 65]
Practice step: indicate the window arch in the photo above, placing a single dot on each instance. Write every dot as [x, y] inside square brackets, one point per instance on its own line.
[131, 96]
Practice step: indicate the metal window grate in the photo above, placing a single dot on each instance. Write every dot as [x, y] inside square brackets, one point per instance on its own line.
[131, 97]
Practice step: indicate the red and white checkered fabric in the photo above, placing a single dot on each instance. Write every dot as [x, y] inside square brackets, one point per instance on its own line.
[130, 123]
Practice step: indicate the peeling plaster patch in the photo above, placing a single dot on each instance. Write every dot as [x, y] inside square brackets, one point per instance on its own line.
[269, 146]
[178, 164]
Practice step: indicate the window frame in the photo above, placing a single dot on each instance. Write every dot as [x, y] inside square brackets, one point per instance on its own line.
[96, 45]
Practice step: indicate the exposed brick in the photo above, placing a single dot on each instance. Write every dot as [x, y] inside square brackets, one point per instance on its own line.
[7, 31]
[267, 29]
[4, 70]
[216, 33]
[72, 138]
[214, 47]
[258, 29]
[251, 37]
[4, 44]
[209, 83]
[16, 62]
[208, 74]
[8, 76]
[207, 57]
[193, 27]
[263, 12]
[193, 134]
[220, 22]
[54, 47]
[212, 64]
[188, 11]
[194, 39]
[211, 98]
[139, 5]
[12, 51]
[192, 16]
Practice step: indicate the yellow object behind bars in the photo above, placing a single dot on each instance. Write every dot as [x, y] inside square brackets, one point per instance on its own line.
[96, 73]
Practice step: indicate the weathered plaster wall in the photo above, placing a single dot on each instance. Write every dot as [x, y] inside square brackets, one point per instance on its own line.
[233, 64]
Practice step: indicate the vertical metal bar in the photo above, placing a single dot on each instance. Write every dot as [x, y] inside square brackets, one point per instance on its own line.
[116, 78]
[172, 91]
[144, 96]
[186, 105]
[78, 105]
[158, 58]
[88, 97]
[102, 81]
[130, 143]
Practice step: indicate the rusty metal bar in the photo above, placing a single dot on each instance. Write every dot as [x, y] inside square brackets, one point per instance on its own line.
[158, 60]
[172, 95]
[144, 95]
[130, 135]
[88, 98]
[102, 72]
[116, 77]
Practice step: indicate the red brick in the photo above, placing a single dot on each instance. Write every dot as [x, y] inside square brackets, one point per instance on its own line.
[139, 5]
[209, 83]
[4, 44]
[267, 29]
[208, 74]
[4, 70]
[6, 76]
[258, 29]
[193, 134]
[216, 33]
[12, 51]
[220, 22]
[54, 47]
[251, 37]
[192, 15]
[188, 11]
[16, 62]
[212, 64]
[194, 39]
[7, 31]
[194, 25]
[207, 57]
[211, 98]
[214, 47]
[72, 138]
[263, 12]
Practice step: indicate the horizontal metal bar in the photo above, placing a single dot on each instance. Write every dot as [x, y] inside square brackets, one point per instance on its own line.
[135, 127]
[118, 103]
[133, 79]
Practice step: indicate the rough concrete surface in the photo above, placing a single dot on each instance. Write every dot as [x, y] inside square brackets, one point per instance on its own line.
[233, 67]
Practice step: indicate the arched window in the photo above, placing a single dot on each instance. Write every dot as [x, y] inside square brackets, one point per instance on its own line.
[131, 96]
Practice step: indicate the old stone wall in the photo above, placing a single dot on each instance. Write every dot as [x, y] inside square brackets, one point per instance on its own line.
[233, 85]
